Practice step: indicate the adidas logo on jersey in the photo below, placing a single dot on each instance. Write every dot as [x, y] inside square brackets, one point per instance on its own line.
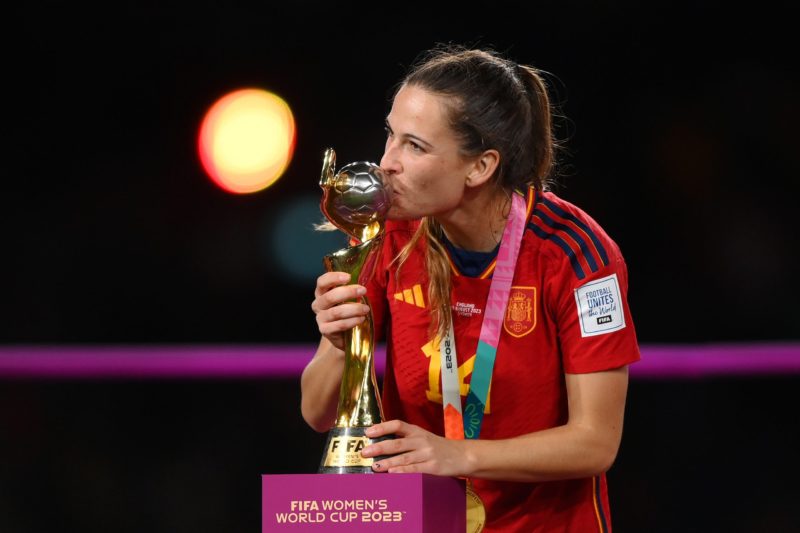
[411, 296]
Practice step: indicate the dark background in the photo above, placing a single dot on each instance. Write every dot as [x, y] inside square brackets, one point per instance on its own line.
[681, 135]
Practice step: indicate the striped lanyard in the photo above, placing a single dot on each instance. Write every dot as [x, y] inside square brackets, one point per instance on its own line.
[458, 425]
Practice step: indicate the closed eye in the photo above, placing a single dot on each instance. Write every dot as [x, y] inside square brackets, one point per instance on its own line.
[416, 147]
[410, 141]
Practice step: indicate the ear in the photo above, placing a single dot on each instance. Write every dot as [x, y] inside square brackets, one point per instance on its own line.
[483, 168]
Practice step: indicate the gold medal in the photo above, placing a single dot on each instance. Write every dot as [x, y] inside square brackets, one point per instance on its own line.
[476, 512]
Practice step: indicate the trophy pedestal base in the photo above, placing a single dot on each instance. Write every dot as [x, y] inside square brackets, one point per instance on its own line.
[343, 451]
[394, 503]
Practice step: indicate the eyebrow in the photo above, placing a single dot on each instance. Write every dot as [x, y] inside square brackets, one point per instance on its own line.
[408, 135]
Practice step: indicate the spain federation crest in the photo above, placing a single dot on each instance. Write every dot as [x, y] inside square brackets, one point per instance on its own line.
[520, 316]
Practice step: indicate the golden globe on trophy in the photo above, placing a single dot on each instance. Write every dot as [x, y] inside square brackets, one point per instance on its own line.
[355, 200]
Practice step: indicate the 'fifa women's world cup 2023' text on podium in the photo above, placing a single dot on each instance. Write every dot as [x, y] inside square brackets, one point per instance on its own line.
[356, 200]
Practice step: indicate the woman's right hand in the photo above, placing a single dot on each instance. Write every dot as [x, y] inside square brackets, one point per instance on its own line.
[334, 306]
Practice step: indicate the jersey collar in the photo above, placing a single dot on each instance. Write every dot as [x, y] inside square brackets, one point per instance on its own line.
[530, 199]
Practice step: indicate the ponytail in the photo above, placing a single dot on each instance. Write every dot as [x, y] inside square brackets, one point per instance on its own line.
[543, 144]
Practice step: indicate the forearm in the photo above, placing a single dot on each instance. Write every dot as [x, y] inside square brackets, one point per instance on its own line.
[319, 386]
[586, 446]
[564, 452]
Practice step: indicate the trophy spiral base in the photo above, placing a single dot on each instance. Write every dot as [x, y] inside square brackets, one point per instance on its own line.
[343, 451]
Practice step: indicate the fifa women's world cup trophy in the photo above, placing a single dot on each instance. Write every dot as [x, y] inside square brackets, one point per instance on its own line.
[355, 200]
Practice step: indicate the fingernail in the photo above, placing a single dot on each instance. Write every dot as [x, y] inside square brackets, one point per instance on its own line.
[367, 451]
[361, 291]
[376, 466]
[370, 431]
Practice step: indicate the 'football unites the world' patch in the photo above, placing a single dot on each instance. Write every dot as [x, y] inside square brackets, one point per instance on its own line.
[600, 306]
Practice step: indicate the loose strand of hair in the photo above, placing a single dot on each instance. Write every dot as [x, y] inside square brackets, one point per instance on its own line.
[438, 268]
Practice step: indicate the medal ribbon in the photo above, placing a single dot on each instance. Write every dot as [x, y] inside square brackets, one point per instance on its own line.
[458, 425]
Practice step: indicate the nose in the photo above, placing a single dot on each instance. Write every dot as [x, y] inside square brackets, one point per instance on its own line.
[390, 163]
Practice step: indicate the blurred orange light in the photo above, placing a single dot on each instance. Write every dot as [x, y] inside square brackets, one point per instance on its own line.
[246, 140]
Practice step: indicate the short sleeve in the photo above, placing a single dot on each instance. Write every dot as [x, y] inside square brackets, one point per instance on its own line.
[595, 327]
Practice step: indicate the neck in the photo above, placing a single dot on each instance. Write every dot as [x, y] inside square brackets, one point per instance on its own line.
[477, 224]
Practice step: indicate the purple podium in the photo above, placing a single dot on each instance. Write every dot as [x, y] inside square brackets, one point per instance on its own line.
[407, 503]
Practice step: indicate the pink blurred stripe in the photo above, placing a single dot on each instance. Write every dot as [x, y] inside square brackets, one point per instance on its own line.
[288, 361]
[729, 359]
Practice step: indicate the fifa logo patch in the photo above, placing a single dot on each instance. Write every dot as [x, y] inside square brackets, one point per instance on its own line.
[600, 306]
[520, 316]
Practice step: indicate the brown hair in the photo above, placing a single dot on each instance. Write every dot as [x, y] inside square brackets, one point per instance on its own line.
[497, 104]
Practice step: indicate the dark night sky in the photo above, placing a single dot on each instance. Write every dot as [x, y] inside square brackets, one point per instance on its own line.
[681, 126]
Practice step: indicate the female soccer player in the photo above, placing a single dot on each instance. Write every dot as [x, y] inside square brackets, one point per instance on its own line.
[504, 306]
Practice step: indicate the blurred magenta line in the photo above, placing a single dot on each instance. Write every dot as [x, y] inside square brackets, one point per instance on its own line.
[288, 361]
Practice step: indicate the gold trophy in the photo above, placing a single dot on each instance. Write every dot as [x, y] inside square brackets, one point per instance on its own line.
[355, 200]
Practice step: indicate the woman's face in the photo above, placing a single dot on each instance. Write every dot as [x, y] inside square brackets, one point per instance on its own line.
[421, 160]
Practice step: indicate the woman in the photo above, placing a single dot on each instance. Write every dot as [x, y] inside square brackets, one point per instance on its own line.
[473, 230]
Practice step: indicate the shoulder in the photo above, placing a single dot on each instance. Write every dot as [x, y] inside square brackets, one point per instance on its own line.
[572, 237]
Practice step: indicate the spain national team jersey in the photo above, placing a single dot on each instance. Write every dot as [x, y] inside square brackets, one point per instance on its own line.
[567, 313]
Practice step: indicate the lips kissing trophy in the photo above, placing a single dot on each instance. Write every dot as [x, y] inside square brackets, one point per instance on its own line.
[355, 200]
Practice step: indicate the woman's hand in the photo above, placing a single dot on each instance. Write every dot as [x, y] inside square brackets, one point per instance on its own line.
[334, 306]
[415, 450]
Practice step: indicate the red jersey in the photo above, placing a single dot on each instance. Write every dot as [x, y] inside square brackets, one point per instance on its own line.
[567, 313]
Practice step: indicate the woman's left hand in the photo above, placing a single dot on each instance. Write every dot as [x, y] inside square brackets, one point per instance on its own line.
[415, 450]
